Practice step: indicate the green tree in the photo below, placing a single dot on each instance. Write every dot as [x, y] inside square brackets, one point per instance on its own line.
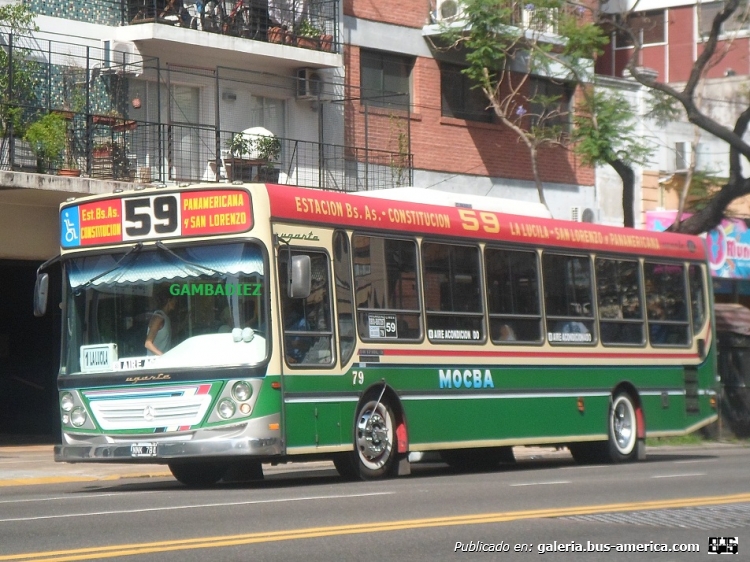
[18, 73]
[507, 43]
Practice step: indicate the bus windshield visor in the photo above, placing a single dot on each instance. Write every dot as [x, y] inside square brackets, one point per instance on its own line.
[165, 308]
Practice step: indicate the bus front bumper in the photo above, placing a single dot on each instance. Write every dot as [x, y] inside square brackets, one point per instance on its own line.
[252, 439]
[162, 452]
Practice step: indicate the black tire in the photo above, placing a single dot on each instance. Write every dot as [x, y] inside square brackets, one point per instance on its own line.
[212, 16]
[346, 466]
[375, 447]
[198, 474]
[622, 445]
[589, 453]
[477, 460]
[243, 471]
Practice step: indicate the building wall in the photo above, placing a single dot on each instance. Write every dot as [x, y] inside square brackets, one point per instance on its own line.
[674, 59]
[453, 154]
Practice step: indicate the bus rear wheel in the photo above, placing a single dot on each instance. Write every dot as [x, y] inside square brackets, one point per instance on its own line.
[198, 474]
[374, 441]
[622, 431]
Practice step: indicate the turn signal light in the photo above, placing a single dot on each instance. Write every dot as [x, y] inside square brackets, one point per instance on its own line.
[580, 404]
[712, 401]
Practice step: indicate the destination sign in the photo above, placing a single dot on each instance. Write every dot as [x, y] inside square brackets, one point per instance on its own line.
[155, 217]
[355, 211]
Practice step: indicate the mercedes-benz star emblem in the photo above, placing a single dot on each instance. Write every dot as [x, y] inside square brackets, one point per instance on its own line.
[148, 413]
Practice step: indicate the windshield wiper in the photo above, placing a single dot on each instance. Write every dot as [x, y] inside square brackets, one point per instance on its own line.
[161, 246]
[138, 247]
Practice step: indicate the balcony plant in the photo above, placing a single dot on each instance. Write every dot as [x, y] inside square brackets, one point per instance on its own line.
[47, 139]
[267, 149]
[238, 145]
[308, 36]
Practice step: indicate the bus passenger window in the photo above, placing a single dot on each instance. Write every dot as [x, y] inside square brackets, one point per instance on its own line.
[308, 334]
[385, 286]
[512, 281]
[666, 304]
[618, 291]
[452, 293]
[567, 299]
[697, 299]
[342, 273]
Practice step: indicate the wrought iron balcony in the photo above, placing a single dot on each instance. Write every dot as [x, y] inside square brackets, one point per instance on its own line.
[310, 24]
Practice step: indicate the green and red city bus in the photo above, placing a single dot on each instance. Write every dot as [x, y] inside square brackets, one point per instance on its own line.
[362, 327]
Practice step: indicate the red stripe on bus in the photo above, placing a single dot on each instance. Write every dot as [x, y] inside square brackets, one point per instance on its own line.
[311, 206]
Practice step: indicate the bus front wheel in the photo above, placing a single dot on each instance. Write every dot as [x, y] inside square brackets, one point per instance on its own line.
[198, 474]
[374, 440]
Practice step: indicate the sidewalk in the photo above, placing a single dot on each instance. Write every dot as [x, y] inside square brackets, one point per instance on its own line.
[24, 465]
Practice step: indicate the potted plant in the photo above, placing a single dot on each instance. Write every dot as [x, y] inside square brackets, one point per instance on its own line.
[277, 34]
[308, 36]
[102, 149]
[238, 145]
[268, 149]
[47, 139]
[112, 117]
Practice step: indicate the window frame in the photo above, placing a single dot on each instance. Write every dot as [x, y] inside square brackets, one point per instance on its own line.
[386, 312]
[287, 334]
[467, 110]
[568, 319]
[668, 321]
[622, 42]
[621, 321]
[378, 97]
[510, 319]
[439, 313]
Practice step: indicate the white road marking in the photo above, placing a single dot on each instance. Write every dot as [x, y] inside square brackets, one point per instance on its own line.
[540, 483]
[193, 506]
[679, 475]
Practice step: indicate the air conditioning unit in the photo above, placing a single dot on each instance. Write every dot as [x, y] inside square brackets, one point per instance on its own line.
[309, 84]
[121, 57]
[543, 20]
[448, 11]
[579, 214]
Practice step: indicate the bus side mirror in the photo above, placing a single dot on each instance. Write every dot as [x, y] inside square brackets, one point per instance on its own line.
[299, 277]
[41, 289]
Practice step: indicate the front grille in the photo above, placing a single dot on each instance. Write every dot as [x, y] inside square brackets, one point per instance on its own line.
[143, 409]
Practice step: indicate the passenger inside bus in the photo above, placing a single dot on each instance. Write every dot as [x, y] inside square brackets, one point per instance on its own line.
[159, 334]
[506, 333]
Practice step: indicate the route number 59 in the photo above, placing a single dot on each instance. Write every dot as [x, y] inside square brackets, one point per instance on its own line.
[151, 217]
[473, 221]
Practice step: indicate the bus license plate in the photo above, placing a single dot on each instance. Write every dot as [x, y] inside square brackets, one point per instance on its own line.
[143, 450]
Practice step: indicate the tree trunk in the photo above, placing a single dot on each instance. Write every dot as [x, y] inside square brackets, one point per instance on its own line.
[628, 189]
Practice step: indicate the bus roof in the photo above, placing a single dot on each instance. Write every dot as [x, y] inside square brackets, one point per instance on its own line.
[463, 200]
[365, 211]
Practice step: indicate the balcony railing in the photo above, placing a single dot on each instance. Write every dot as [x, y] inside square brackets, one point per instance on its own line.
[116, 128]
[103, 147]
[311, 24]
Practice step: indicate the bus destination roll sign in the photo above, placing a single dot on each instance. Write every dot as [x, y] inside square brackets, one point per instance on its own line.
[155, 217]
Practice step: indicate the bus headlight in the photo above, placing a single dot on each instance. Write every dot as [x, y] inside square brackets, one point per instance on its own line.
[242, 391]
[66, 402]
[226, 408]
[78, 417]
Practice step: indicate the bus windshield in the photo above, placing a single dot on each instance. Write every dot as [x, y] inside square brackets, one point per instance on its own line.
[161, 308]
